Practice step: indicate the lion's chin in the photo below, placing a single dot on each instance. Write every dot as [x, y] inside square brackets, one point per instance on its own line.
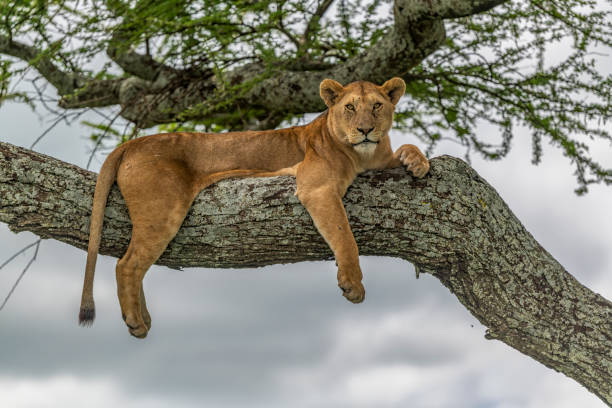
[366, 149]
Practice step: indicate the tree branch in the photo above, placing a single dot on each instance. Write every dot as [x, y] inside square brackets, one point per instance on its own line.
[281, 27]
[93, 94]
[314, 20]
[451, 224]
[140, 65]
[288, 91]
[77, 90]
[415, 10]
[148, 98]
[64, 82]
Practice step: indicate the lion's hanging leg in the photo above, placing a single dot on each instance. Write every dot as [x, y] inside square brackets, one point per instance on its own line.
[130, 271]
[329, 217]
[323, 200]
[157, 210]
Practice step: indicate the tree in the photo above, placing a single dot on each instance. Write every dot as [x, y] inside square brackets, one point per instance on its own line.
[246, 64]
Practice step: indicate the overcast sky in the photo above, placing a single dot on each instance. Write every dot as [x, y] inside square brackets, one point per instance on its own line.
[283, 336]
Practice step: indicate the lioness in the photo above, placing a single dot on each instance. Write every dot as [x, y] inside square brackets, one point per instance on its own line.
[159, 176]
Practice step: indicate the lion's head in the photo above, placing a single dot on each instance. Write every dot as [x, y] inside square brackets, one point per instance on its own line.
[361, 113]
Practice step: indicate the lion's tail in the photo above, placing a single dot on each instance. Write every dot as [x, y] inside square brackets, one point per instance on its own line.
[105, 181]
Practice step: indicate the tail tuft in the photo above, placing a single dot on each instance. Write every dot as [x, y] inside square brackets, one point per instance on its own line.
[87, 316]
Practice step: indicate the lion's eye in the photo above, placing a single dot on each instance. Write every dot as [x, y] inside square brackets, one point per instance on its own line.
[377, 105]
[350, 107]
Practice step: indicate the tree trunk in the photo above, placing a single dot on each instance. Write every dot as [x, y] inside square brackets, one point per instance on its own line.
[451, 224]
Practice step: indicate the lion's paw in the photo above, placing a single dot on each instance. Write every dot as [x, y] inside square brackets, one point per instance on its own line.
[415, 161]
[139, 331]
[137, 328]
[352, 290]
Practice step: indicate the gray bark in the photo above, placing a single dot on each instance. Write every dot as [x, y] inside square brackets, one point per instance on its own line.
[451, 224]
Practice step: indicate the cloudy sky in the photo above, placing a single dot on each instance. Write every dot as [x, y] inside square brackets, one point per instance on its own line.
[283, 336]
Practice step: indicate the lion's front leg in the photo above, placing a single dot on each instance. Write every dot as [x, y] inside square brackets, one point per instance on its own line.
[410, 156]
[325, 207]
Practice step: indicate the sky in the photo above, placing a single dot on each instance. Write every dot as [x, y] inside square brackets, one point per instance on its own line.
[283, 336]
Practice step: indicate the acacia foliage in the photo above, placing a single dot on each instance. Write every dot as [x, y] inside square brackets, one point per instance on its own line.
[537, 64]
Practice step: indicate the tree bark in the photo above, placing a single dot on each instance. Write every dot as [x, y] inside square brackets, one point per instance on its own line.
[451, 224]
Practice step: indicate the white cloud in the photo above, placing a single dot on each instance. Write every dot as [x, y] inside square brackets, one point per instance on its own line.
[69, 392]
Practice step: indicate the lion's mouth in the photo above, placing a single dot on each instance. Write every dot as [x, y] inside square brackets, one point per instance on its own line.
[366, 140]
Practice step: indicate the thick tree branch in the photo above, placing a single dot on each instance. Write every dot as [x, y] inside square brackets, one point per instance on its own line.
[140, 65]
[94, 93]
[289, 91]
[64, 82]
[157, 93]
[451, 224]
[404, 47]
[415, 10]
[77, 90]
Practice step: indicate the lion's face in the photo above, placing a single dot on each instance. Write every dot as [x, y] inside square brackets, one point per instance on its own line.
[361, 113]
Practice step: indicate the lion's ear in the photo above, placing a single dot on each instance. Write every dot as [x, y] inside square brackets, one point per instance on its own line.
[394, 88]
[329, 91]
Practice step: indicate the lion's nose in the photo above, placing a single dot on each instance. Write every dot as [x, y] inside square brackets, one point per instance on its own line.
[365, 132]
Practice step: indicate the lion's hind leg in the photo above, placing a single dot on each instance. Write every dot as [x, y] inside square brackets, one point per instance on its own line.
[146, 246]
[157, 209]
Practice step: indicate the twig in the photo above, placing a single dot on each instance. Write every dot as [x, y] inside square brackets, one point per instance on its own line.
[39, 138]
[41, 96]
[99, 112]
[37, 243]
[99, 141]
[64, 117]
[314, 20]
[18, 253]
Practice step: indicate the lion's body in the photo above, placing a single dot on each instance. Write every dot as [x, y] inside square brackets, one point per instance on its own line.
[159, 176]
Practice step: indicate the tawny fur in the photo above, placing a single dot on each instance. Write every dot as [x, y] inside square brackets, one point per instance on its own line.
[159, 176]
